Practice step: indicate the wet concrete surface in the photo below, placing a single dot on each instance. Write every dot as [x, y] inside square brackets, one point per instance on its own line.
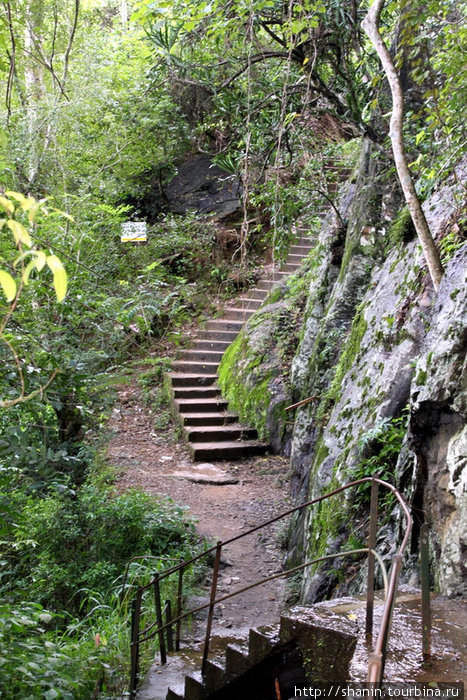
[405, 662]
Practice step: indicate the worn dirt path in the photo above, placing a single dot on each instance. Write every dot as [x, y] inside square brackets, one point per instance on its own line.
[148, 459]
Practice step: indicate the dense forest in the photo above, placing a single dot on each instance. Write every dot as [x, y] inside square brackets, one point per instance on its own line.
[101, 103]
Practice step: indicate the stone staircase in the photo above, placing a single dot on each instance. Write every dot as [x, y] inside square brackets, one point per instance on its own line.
[304, 644]
[212, 431]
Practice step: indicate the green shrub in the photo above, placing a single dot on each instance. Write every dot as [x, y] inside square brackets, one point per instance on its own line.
[76, 543]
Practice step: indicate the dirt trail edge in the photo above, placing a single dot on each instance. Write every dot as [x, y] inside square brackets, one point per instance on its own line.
[154, 462]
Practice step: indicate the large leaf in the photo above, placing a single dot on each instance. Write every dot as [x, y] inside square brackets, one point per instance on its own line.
[60, 276]
[8, 285]
[19, 232]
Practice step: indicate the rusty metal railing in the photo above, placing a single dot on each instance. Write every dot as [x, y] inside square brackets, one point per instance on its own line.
[163, 630]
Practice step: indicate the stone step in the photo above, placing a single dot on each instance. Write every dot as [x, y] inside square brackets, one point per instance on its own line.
[214, 676]
[219, 433]
[294, 259]
[300, 250]
[206, 334]
[248, 303]
[182, 366]
[194, 687]
[237, 661]
[224, 325]
[231, 313]
[176, 692]
[202, 418]
[204, 344]
[206, 406]
[201, 355]
[196, 392]
[261, 642]
[260, 294]
[266, 285]
[191, 379]
[291, 267]
[226, 450]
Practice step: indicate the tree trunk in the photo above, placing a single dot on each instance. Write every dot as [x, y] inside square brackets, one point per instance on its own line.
[371, 26]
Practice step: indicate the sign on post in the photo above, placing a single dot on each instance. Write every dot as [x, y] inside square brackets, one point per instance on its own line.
[133, 231]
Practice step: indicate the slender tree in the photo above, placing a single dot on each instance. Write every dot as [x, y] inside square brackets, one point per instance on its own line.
[371, 26]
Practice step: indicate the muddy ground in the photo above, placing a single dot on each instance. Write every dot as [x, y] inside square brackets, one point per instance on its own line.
[152, 460]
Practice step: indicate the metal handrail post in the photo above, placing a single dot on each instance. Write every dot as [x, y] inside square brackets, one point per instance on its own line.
[178, 628]
[425, 583]
[158, 604]
[168, 620]
[215, 576]
[370, 585]
[134, 661]
[378, 657]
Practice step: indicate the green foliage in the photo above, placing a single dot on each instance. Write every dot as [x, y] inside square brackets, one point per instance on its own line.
[36, 663]
[379, 449]
[348, 355]
[401, 230]
[79, 542]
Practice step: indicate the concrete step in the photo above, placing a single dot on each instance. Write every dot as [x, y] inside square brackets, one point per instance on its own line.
[301, 250]
[294, 259]
[176, 693]
[224, 325]
[206, 334]
[203, 344]
[260, 294]
[196, 392]
[266, 283]
[220, 433]
[202, 418]
[190, 367]
[237, 661]
[191, 379]
[231, 313]
[291, 267]
[226, 450]
[194, 687]
[248, 303]
[214, 676]
[201, 355]
[261, 642]
[204, 406]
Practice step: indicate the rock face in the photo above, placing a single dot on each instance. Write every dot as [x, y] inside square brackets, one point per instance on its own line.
[383, 359]
[203, 187]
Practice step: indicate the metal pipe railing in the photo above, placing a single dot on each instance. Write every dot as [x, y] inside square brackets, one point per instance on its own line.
[377, 657]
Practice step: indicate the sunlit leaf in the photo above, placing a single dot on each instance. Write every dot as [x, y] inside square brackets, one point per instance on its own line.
[8, 285]
[7, 205]
[60, 276]
[19, 232]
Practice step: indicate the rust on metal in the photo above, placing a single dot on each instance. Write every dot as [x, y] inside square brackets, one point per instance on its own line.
[425, 582]
[168, 622]
[212, 603]
[178, 628]
[370, 585]
[160, 623]
[304, 402]
[135, 620]
[377, 657]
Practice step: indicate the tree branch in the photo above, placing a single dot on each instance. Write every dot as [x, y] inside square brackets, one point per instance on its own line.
[370, 25]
